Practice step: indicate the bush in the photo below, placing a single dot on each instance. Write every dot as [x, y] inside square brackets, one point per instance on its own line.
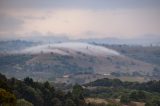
[125, 99]
[154, 102]
[23, 102]
[7, 98]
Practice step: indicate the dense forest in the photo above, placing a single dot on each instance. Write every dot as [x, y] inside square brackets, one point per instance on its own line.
[126, 92]
[15, 92]
[151, 86]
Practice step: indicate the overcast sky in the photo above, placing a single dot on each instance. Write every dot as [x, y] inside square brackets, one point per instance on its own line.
[80, 18]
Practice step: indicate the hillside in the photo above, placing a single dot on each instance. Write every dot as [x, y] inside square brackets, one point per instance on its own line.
[73, 60]
[129, 93]
[149, 54]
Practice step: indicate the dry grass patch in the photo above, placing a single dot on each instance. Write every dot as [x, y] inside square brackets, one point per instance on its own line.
[96, 100]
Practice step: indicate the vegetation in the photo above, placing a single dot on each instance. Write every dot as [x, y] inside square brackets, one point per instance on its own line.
[7, 98]
[23, 102]
[151, 86]
[149, 54]
[14, 92]
[27, 64]
[147, 92]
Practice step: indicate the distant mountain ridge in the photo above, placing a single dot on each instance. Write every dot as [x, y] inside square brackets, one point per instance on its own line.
[13, 45]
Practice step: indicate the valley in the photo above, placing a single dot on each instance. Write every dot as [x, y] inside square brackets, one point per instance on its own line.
[79, 52]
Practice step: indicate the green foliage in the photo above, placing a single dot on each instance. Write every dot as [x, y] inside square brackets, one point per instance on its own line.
[69, 102]
[31, 93]
[7, 98]
[107, 82]
[77, 91]
[137, 96]
[151, 86]
[56, 102]
[125, 99]
[23, 102]
[3, 77]
[28, 81]
[125, 91]
[153, 102]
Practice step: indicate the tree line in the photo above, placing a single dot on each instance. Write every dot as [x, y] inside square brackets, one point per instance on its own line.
[15, 92]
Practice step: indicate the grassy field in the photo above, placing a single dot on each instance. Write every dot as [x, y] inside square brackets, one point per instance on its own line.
[116, 101]
[96, 100]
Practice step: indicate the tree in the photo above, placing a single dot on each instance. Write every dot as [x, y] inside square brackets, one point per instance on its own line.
[3, 81]
[47, 85]
[154, 102]
[69, 95]
[56, 102]
[77, 91]
[3, 77]
[137, 95]
[23, 102]
[7, 98]
[125, 99]
[133, 96]
[31, 95]
[28, 81]
[141, 95]
[69, 102]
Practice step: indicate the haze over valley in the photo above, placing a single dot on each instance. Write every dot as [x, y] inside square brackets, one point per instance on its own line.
[79, 52]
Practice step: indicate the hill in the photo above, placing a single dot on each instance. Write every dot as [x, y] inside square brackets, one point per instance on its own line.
[72, 63]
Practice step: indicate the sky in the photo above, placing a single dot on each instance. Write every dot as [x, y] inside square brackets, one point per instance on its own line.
[79, 19]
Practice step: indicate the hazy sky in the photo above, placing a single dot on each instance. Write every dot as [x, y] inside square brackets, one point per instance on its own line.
[80, 18]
